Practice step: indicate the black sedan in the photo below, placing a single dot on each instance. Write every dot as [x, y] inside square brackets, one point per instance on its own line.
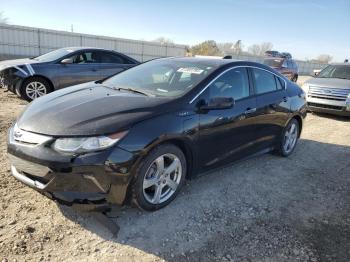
[135, 137]
[35, 77]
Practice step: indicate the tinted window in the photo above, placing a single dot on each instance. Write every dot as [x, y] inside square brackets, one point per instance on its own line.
[264, 81]
[279, 82]
[107, 57]
[273, 62]
[233, 83]
[284, 64]
[85, 58]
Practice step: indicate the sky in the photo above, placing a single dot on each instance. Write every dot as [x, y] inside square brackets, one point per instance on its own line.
[305, 28]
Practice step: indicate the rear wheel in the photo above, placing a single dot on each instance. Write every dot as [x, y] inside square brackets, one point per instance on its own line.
[160, 177]
[289, 138]
[33, 88]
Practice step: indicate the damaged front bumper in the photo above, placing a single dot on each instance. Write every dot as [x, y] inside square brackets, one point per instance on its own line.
[99, 178]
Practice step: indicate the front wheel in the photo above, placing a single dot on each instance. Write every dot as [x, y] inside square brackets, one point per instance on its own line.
[159, 177]
[34, 88]
[289, 138]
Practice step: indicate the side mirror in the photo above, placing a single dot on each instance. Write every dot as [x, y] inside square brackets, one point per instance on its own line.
[217, 103]
[67, 61]
[317, 72]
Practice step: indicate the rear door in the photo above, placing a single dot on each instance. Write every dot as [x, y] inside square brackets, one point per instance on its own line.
[112, 63]
[272, 105]
[83, 69]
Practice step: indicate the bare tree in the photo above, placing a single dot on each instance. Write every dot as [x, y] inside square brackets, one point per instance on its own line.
[259, 50]
[324, 58]
[163, 40]
[254, 49]
[3, 19]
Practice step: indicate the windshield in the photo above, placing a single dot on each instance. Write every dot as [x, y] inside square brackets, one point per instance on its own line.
[336, 71]
[54, 55]
[162, 77]
[273, 62]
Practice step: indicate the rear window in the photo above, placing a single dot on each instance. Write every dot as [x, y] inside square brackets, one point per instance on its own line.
[273, 62]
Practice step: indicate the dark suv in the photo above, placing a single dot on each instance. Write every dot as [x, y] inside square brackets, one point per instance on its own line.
[284, 65]
[34, 77]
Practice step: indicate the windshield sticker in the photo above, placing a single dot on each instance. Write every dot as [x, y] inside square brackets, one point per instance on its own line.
[190, 70]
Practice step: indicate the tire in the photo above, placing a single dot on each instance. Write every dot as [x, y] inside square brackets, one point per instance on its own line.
[34, 87]
[152, 181]
[282, 148]
[295, 78]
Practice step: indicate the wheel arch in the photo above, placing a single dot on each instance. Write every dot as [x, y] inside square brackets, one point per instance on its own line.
[52, 87]
[300, 122]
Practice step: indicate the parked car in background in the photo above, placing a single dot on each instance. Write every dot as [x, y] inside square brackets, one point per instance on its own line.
[286, 55]
[329, 91]
[136, 137]
[273, 53]
[285, 66]
[34, 77]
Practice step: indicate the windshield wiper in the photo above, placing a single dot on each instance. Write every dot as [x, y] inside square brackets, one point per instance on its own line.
[131, 90]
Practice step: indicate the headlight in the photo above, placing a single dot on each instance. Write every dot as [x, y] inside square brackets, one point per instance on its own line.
[86, 144]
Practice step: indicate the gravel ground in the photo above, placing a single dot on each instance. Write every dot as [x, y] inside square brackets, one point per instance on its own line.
[266, 208]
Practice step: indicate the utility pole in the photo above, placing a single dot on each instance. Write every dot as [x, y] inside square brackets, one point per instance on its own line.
[71, 28]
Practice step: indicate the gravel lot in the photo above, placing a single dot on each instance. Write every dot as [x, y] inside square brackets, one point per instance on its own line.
[266, 208]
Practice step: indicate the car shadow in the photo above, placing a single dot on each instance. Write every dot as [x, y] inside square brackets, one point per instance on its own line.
[256, 201]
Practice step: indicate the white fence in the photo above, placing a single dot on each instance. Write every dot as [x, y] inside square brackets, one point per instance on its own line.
[20, 41]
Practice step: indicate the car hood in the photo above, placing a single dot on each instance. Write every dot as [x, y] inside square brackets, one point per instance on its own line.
[329, 82]
[16, 62]
[88, 109]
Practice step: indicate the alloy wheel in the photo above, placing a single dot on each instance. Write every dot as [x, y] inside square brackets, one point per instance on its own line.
[162, 178]
[290, 138]
[35, 90]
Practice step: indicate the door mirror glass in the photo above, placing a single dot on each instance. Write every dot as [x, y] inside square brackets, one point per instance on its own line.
[67, 61]
[217, 103]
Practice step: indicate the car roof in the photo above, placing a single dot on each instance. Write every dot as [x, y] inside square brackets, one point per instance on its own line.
[77, 48]
[215, 62]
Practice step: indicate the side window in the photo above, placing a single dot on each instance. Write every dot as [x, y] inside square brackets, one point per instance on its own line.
[279, 83]
[85, 58]
[290, 64]
[264, 81]
[107, 57]
[234, 83]
[284, 64]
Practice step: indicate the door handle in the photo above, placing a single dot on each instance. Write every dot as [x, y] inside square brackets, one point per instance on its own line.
[250, 110]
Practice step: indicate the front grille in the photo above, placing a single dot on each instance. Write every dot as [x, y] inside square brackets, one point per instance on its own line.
[339, 108]
[335, 94]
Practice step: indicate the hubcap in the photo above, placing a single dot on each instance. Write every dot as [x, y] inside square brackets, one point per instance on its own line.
[290, 138]
[35, 90]
[162, 178]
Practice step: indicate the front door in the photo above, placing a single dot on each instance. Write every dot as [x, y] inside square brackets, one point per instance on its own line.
[85, 68]
[228, 134]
